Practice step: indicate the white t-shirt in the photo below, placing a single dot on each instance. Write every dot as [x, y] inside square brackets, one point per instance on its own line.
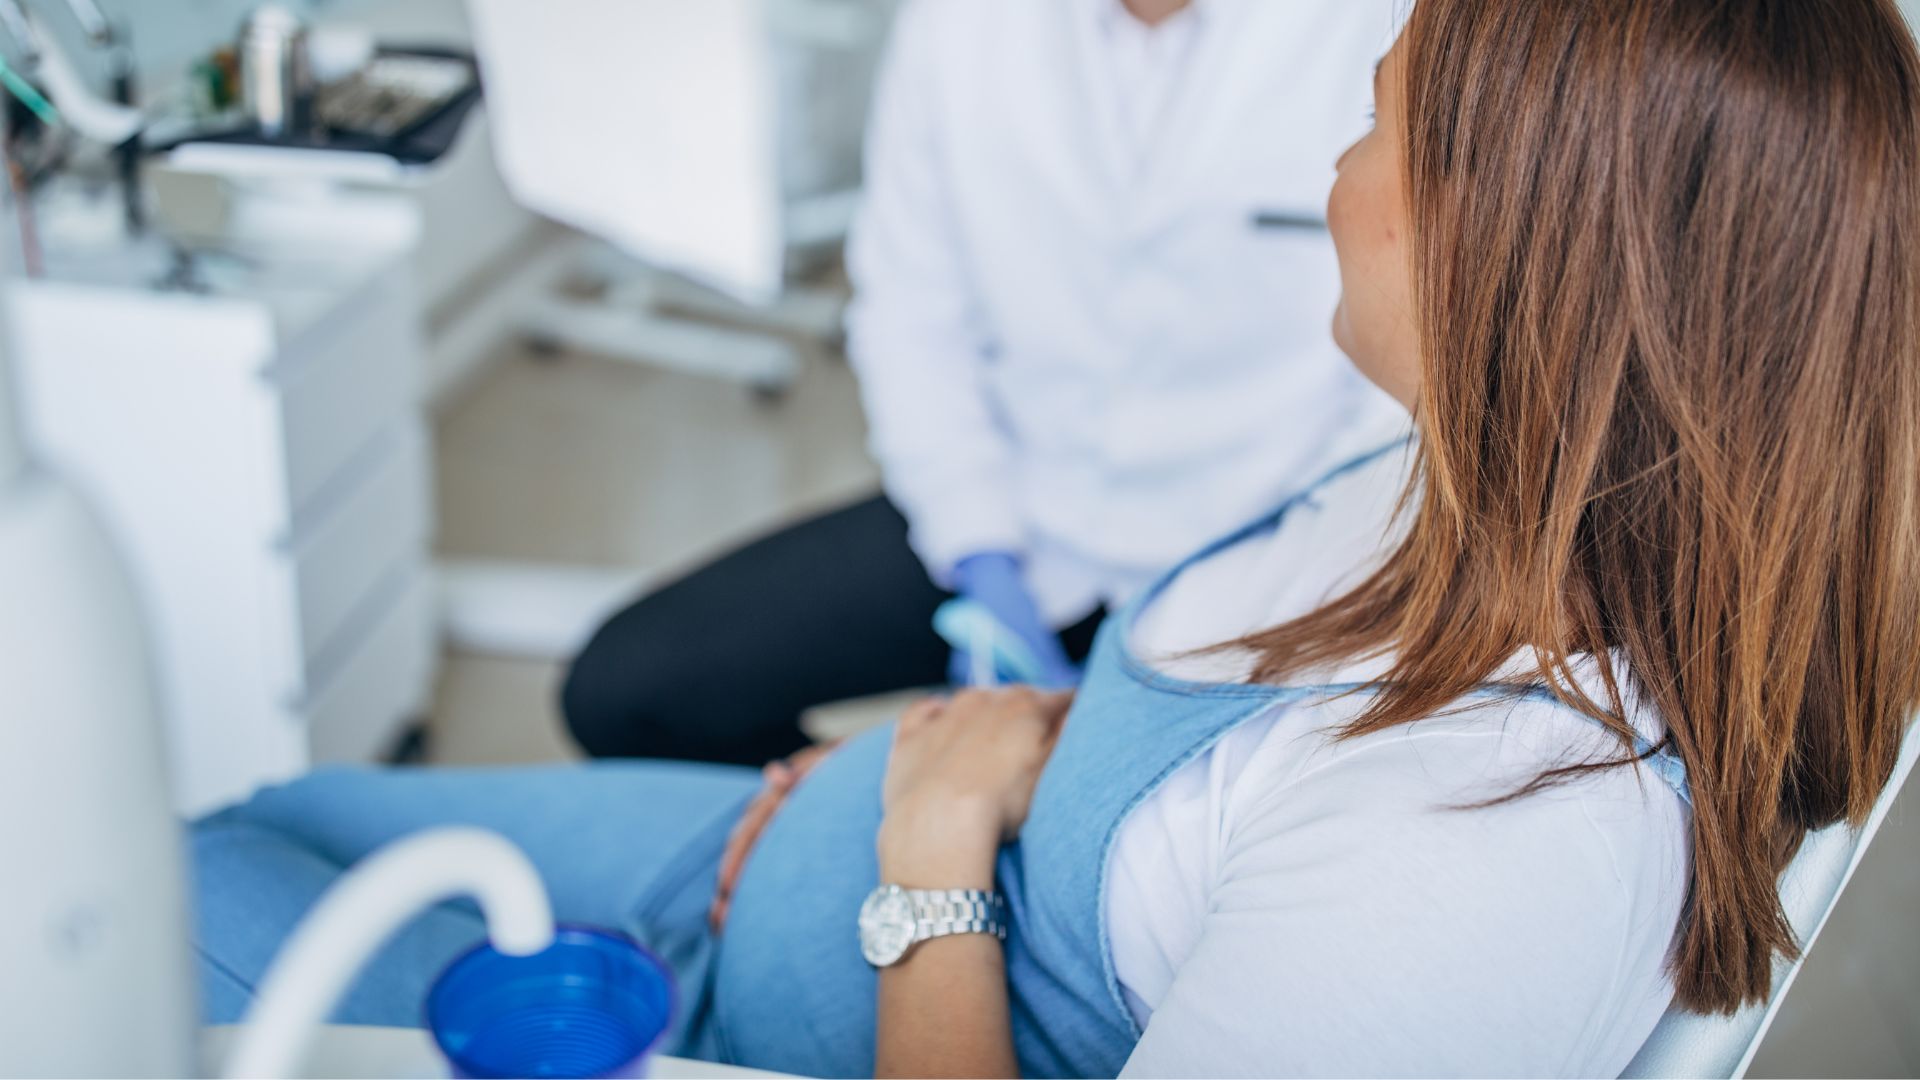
[1286, 904]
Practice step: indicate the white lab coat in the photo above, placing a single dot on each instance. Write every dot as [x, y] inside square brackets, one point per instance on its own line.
[1080, 353]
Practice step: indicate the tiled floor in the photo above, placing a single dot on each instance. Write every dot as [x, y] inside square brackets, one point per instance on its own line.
[593, 462]
[589, 461]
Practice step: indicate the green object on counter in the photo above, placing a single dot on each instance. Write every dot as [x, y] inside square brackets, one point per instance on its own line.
[28, 96]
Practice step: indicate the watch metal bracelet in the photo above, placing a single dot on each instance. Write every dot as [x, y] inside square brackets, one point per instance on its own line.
[945, 912]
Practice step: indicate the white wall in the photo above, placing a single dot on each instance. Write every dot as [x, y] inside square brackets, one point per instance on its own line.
[168, 35]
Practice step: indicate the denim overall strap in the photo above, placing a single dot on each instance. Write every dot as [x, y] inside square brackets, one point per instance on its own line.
[1131, 728]
[1129, 731]
[1265, 523]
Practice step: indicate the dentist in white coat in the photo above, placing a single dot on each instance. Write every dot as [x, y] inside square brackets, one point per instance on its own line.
[1092, 294]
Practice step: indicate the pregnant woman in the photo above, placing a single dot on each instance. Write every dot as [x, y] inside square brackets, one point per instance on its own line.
[1472, 757]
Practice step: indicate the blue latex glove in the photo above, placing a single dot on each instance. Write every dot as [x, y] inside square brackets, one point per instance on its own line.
[993, 581]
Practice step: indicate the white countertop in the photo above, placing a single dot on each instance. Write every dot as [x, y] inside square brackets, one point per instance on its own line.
[408, 1053]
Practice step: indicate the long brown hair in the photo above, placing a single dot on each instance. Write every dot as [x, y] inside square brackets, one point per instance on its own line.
[1669, 291]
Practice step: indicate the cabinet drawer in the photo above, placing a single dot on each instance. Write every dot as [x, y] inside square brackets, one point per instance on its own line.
[325, 576]
[340, 383]
[360, 710]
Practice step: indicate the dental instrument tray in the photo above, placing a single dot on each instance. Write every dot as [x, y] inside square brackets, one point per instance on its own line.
[406, 104]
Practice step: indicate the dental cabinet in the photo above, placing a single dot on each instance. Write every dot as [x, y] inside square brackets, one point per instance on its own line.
[245, 412]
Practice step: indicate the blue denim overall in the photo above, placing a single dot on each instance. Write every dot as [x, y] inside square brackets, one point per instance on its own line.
[791, 990]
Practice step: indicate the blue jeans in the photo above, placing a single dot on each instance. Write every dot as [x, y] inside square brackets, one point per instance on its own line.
[632, 846]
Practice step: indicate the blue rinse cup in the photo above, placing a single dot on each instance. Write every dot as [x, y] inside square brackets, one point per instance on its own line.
[594, 1003]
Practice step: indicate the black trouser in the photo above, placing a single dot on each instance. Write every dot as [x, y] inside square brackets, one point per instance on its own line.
[719, 665]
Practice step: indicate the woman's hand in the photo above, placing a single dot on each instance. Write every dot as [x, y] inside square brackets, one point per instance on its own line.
[780, 778]
[959, 782]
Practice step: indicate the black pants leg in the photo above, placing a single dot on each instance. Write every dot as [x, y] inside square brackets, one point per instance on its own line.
[719, 665]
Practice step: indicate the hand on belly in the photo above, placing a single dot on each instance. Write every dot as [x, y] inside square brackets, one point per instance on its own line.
[780, 777]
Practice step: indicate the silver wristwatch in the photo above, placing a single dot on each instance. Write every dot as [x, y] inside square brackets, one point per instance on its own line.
[893, 920]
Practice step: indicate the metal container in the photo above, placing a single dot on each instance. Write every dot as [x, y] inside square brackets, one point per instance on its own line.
[276, 72]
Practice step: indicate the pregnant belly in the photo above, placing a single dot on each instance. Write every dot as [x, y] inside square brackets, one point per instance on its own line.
[791, 990]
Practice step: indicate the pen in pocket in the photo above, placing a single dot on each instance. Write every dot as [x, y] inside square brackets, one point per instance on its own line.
[1288, 220]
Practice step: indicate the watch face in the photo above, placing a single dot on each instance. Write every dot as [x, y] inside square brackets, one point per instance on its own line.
[886, 926]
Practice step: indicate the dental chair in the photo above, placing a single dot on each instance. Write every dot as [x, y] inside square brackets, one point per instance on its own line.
[706, 153]
[1690, 1045]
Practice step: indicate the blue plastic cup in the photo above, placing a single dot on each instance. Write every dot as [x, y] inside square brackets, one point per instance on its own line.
[594, 1003]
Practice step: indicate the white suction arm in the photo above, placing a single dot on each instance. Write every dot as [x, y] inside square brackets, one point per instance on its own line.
[363, 910]
[86, 112]
[15, 21]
